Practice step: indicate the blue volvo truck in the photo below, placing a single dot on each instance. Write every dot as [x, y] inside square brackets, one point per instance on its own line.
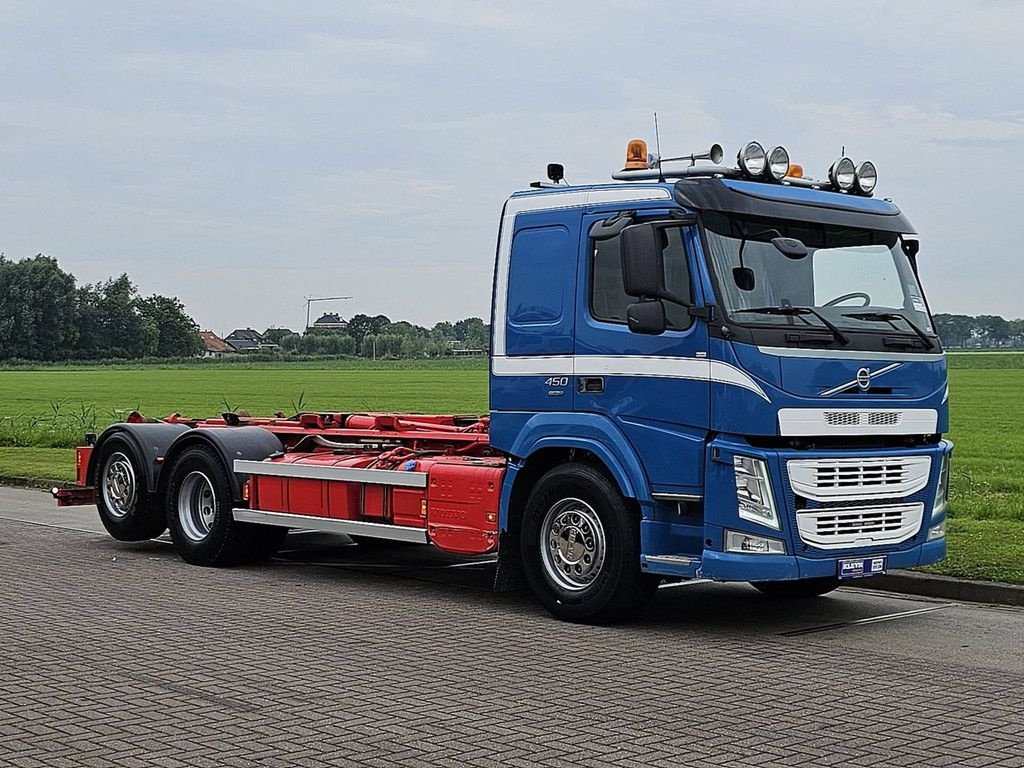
[746, 353]
[698, 371]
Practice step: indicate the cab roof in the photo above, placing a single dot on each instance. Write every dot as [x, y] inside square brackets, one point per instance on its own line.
[758, 198]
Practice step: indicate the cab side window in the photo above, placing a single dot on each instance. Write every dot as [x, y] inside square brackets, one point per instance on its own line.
[608, 300]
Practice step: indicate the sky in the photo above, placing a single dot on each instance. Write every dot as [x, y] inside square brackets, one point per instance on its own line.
[244, 155]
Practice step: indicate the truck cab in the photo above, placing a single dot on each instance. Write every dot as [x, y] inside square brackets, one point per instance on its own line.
[750, 361]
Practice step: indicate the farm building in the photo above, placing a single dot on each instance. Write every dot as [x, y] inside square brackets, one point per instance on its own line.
[248, 340]
[214, 345]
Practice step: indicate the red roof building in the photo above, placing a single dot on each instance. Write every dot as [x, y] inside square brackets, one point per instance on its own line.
[214, 345]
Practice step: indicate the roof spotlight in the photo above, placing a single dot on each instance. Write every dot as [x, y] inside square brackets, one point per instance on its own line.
[752, 159]
[842, 174]
[867, 177]
[778, 163]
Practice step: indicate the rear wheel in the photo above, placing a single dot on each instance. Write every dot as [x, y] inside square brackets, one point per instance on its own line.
[127, 509]
[580, 546]
[199, 515]
[803, 588]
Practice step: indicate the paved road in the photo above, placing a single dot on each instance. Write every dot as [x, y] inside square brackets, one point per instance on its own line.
[114, 654]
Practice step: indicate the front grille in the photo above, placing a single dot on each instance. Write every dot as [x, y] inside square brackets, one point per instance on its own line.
[860, 478]
[839, 527]
[866, 521]
[884, 418]
[842, 418]
[856, 418]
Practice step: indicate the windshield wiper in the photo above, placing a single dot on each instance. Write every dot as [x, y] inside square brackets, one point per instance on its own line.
[789, 309]
[888, 317]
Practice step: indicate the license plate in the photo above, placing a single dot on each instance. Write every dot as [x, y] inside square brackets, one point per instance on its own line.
[860, 567]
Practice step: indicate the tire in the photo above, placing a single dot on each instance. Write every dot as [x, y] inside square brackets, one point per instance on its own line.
[599, 582]
[804, 588]
[199, 516]
[127, 509]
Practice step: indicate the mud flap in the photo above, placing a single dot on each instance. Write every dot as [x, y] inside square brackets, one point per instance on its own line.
[509, 575]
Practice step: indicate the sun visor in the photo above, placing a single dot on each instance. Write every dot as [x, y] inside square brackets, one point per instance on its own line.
[778, 201]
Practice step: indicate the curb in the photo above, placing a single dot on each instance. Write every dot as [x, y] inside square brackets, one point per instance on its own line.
[35, 483]
[945, 587]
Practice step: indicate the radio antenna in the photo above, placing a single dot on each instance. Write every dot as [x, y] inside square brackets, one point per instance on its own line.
[657, 145]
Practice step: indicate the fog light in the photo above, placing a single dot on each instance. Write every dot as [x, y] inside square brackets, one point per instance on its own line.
[749, 544]
[842, 174]
[752, 159]
[937, 531]
[867, 177]
[778, 163]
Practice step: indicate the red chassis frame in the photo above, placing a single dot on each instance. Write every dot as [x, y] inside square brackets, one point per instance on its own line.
[428, 473]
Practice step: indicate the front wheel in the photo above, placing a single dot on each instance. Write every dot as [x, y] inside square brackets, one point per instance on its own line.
[802, 588]
[200, 518]
[580, 546]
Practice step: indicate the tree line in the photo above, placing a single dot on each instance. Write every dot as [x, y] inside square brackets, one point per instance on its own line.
[984, 331]
[46, 315]
[380, 337]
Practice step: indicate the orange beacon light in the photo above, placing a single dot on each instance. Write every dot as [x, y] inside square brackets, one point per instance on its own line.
[636, 155]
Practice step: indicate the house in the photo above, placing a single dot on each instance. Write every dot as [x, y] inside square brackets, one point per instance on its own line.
[248, 340]
[331, 322]
[214, 345]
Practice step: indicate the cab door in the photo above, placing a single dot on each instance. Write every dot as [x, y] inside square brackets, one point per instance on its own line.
[656, 389]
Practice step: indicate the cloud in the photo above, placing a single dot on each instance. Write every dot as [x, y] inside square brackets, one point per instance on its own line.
[236, 154]
[920, 123]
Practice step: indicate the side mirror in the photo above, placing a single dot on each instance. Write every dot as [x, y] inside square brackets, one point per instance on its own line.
[646, 317]
[643, 266]
[744, 278]
[790, 247]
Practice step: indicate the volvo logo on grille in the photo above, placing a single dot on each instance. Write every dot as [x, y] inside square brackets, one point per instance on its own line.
[863, 379]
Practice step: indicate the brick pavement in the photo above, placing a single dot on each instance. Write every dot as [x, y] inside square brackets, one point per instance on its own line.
[116, 655]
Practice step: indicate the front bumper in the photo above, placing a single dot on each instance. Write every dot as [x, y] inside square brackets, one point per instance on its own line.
[805, 559]
[729, 566]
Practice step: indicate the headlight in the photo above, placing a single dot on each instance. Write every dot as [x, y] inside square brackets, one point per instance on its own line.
[751, 159]
[778, 163]
[866, 177]
[942, 492]
[749, 544]
[842, 174]
[754, 492]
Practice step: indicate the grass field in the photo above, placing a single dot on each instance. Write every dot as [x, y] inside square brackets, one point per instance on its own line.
[44, 412]
[54, 407]
[37, 463]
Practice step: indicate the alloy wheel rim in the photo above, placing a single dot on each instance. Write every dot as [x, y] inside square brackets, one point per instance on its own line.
[197, 506]
[572, 544]
[119, 485]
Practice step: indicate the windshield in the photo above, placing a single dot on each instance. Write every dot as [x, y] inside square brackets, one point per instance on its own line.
[855, 279]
